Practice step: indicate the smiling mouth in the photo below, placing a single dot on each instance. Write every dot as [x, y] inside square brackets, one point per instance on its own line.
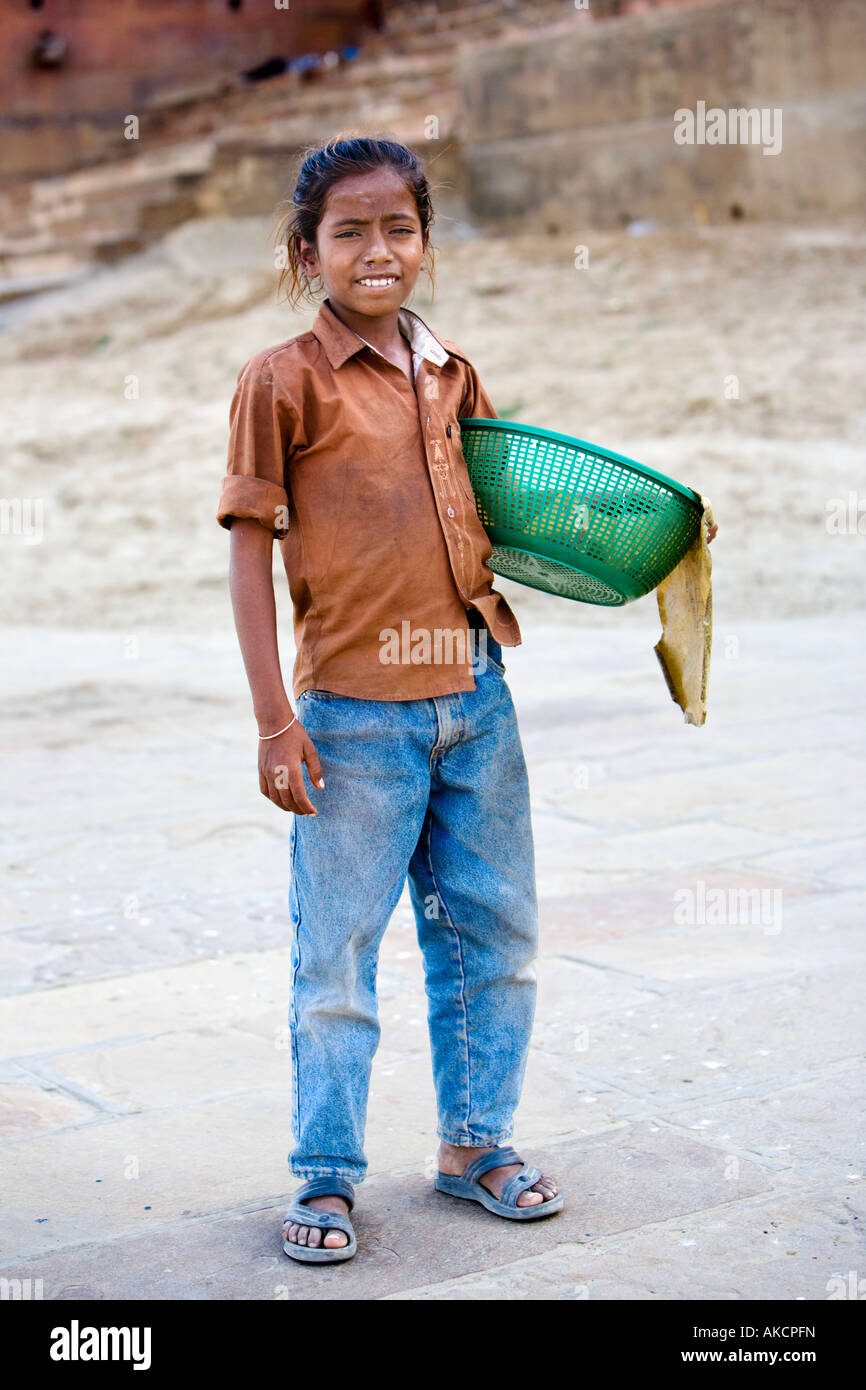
[378, 282]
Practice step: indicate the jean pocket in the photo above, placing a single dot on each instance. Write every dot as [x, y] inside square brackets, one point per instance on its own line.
[484, 659]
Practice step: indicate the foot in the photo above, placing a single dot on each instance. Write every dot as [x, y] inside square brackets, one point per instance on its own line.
[454, 1160]
[311, 1236]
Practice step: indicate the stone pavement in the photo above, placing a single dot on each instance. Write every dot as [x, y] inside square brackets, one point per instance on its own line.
[695, 1081]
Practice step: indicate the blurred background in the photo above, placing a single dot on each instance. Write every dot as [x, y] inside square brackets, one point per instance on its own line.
[697, 306]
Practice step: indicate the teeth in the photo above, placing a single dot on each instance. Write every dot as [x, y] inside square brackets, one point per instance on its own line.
[388, 281]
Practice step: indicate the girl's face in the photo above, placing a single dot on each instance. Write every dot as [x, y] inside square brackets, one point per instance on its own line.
[370, 230]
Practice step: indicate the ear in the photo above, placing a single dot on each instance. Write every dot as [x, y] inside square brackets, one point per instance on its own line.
[309, 257]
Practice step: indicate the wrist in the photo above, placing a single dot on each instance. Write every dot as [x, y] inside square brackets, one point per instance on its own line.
[265, 738]
[271, 720]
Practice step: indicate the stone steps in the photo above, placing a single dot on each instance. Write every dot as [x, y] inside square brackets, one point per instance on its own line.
[96, 214]
[229, 148]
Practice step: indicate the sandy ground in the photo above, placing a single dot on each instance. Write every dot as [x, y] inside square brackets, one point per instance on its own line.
[639, 352]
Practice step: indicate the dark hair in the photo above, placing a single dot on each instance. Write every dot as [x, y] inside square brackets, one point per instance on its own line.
[319, 170]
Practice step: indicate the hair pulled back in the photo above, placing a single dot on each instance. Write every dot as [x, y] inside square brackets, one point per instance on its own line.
[320, 170]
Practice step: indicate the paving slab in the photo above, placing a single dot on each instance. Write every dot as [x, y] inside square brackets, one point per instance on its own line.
[408, 1233]
[774, 1247]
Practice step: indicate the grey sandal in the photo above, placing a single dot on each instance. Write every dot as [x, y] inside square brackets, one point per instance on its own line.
[328, 1220]
[468, 1186]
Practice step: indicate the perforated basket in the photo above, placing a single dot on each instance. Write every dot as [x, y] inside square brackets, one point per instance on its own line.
[573, 519]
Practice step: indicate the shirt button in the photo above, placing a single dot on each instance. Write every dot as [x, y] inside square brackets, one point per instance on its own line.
[450, 511]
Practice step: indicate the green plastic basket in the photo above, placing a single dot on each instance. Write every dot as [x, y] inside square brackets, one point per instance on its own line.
[572, 519]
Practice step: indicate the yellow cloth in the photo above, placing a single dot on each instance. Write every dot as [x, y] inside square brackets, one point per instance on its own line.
[685, 601]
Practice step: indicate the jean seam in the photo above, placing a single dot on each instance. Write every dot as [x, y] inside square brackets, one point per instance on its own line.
[296, 1102]
[461, 1141]
[348, 1173]
[475, 637]
[429, 857]
[433, 751]
[495, 664]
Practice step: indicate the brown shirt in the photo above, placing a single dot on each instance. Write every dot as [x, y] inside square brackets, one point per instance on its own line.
[361, 477]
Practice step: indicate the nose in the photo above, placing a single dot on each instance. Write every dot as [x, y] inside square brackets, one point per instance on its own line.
[377, 249]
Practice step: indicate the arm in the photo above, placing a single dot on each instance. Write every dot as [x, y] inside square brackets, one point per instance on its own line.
[254, 506]
[281, 759]
[476, 404]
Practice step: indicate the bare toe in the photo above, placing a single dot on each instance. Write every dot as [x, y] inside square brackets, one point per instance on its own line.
[313, 1237]
[545, 1188]
[529, 1199]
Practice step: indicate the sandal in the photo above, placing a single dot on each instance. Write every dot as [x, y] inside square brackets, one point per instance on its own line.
[328, 1220]
[468, 1186]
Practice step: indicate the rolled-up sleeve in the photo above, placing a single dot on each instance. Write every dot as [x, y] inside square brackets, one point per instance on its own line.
[261, 423]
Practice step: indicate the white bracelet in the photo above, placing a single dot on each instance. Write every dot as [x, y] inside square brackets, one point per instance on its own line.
[264, 737]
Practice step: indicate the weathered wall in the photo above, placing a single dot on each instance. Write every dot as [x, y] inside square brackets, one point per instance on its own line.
[577, 129]
[125, 56]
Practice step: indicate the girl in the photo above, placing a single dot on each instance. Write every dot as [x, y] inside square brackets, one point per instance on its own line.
[345, 447]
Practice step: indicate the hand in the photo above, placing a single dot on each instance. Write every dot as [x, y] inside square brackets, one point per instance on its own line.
[712, 532]
[281, 774]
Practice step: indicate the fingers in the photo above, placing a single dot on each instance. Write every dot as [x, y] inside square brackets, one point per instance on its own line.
[302, 803]
[286, 789]
[314, 767]
[308, 755]
[274, 783]
[281, 777]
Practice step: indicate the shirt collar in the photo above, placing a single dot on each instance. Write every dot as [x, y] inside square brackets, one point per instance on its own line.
[341, 342]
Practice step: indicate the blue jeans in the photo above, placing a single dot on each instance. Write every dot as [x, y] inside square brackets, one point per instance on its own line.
[437, 789]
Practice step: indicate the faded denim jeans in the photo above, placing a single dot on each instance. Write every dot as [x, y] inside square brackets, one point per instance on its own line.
[435, 789]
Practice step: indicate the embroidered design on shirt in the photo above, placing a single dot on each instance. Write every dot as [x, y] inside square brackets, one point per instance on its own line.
[443, 467]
